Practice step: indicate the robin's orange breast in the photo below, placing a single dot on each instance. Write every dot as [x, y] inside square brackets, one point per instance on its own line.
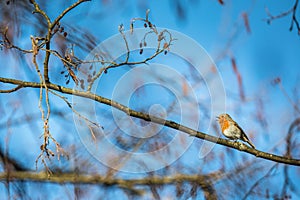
[224, 124]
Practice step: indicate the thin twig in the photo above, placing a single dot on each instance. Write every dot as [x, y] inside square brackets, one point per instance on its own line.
[160, 37]
[11, 90]
[260, 180]
[75, 111]
[46, 133]
[65, 12]
[292, 11]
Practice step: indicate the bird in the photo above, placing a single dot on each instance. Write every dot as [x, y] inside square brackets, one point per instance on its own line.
[232, 130]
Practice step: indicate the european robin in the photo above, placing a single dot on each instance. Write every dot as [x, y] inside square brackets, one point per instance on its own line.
[232, 130]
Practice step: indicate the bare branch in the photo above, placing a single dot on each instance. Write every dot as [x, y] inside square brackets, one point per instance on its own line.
[47, 41]
[292, 11]
[65, 12]
[161, 36]
[49, 30]
[8, 44]
[171, 124]
[75, 111]
[97, 179]
[277, 81]
[40, 11]
[260, 180]
[11, 90]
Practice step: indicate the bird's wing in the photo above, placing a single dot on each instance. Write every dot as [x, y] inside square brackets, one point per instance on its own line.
[245, 138]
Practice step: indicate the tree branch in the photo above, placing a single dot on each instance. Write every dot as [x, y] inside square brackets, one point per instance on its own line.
[11, 90]
[171, 124]
[284, 14]
[47, 41]
[49, 31]
[65, 12]
[98, 179]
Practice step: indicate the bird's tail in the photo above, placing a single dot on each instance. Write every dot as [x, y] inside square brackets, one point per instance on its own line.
[251, 144]
[245, 138]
